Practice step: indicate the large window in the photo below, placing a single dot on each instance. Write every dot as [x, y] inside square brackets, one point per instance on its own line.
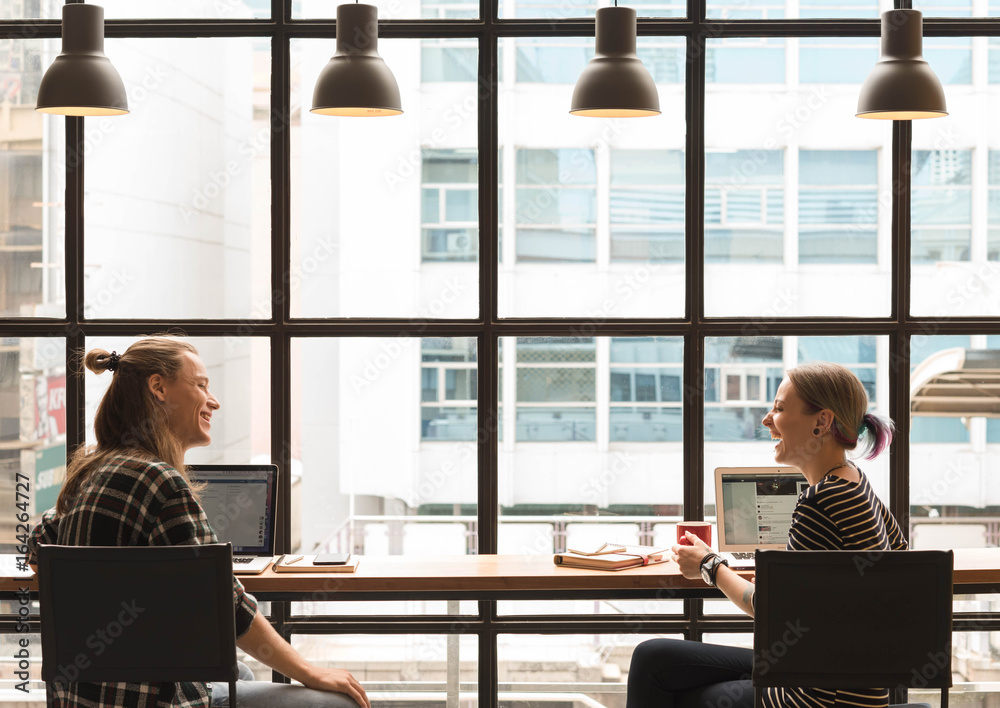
[488, 325]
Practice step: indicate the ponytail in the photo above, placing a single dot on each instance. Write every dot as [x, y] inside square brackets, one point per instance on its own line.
[877, 432]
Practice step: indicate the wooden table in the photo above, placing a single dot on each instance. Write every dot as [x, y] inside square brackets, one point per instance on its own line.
[518, 577]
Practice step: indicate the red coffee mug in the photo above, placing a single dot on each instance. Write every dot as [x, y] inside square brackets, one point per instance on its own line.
[701, 529]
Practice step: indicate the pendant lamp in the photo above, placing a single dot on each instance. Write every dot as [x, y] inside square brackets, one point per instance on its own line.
[356, 82]
[82, 81]
[902, 86]
[615, 84]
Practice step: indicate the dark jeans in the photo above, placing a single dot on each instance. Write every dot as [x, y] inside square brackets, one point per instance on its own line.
[672, 673]
[264, 694]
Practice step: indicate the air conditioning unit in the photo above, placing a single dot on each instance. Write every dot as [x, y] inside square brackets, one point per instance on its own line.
[460, 244]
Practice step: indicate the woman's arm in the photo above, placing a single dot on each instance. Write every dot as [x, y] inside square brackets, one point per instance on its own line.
[263, 643]
[734, 587]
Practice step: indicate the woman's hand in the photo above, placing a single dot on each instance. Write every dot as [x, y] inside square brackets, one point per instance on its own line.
[689, 557]
[339, 680]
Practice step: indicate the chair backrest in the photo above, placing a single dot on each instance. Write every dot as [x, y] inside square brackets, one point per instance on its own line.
[139, 613]
[844, 619]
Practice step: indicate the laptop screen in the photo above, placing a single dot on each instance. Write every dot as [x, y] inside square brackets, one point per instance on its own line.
[755, 505]
[239, 501]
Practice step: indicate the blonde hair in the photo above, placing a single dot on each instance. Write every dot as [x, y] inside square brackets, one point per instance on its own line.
[836, 388]
[130, 420]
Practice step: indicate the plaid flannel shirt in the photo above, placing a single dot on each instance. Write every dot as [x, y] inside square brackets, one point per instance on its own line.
[133, 502]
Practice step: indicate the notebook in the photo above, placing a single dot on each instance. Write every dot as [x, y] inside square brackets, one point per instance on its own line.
[299, 563]
[612, 556]
[754, 507]
[240, 502]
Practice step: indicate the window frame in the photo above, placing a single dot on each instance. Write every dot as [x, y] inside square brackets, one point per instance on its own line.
[281, 328]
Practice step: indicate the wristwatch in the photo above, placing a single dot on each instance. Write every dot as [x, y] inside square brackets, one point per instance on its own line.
[710, 567]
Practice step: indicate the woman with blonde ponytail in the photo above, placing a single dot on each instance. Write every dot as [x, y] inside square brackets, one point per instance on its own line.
[131, 489]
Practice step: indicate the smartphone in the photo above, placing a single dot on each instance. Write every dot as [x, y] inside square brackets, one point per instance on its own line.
[332, 559]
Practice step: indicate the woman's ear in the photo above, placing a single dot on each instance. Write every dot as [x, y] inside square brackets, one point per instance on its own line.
[155, 383]
[824, 419]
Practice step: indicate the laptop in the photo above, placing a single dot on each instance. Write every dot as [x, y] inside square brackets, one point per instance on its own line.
[754, 507]
[240, 503]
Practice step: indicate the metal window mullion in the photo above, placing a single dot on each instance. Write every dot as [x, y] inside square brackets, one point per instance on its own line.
[899, 379]
[694, 267]
[281, 294]
[76, 426]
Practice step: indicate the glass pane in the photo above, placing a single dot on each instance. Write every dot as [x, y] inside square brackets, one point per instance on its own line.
[203, 110]
[949, 242]
[776, 9]
[587, 669]
[32, 424]
[356, 492]
[794, 191]
[447, 60]
[973, 660]
[745, 61]
[836, 60]
[951, 58]
[137, 9]
[597, 206]
[838, 189]
[438, 668]
[208, 9]
[450, 212]
[734, 434]
[595, 421]
[945, 8]
[663, 604]
[585, 8]
[364, 218]
[391, 10]
[239, 377]
[952, 436]
[32, 173]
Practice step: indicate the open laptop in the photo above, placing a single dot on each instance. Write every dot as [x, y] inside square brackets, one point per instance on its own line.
[240, 503]
[754, 507]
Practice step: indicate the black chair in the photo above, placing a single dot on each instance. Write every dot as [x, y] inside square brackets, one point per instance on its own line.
[145, 614]
[844, 619]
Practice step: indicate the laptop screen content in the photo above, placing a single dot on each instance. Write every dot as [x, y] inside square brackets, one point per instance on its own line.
[757, 509]
[239, 504]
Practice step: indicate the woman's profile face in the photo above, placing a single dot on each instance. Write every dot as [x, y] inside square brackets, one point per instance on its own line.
[791, 426]
[188, 401]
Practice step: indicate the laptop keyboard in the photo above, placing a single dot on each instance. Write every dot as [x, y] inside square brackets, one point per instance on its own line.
[244, 559]
[742, 555]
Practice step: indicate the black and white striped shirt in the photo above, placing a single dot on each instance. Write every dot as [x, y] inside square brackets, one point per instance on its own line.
[838, 515]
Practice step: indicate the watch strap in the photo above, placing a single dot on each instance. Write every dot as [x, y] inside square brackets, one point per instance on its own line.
[715, 561]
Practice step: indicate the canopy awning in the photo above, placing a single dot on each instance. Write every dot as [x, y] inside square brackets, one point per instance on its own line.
[957, 383]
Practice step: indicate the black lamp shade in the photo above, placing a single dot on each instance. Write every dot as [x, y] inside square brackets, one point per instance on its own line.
[614, 83]
[356, 82]
[902, 86]
[82, 81]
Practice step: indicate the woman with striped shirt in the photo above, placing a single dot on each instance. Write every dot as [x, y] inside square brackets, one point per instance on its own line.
[819, 416]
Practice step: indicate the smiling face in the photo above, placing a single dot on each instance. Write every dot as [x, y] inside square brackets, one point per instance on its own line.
[789, 422]
[188, 402]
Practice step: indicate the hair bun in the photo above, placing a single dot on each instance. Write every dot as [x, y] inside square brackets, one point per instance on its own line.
[101, 360]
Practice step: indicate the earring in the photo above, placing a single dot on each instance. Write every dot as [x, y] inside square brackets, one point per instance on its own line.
[816, 431]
